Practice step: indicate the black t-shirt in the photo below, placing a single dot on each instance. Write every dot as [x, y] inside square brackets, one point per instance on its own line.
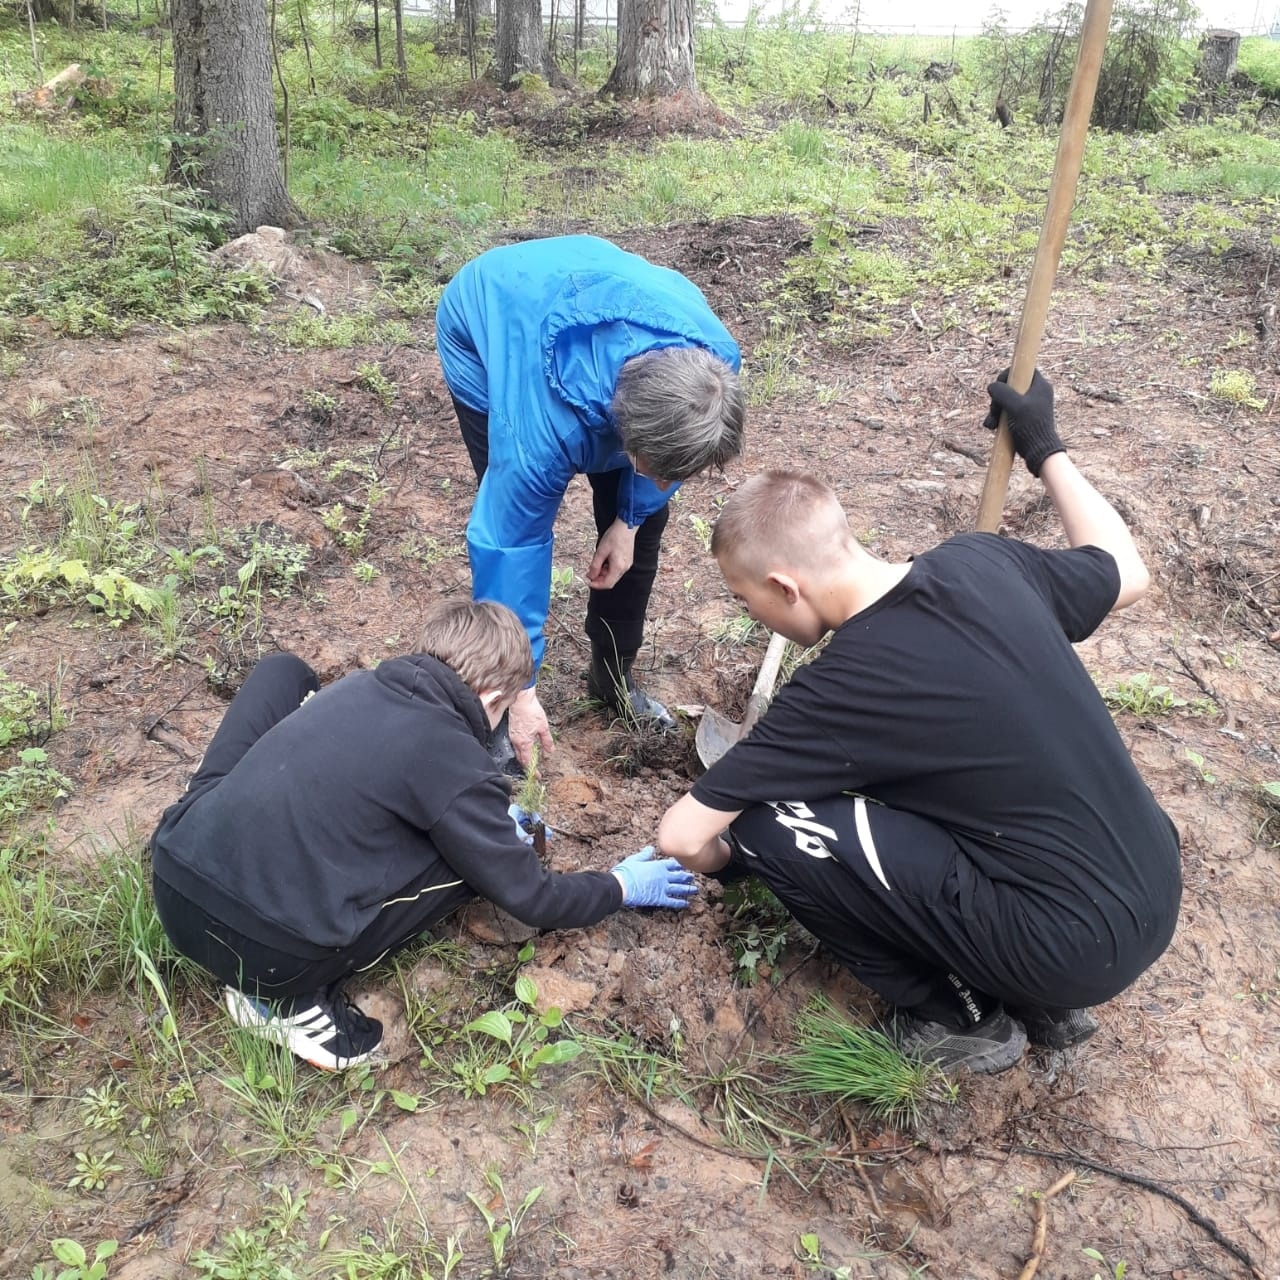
[957, 696]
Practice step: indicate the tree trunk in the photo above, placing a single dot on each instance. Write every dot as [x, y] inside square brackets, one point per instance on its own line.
[655, 50]
[224, 111]
[521, 48]
[402, 70]
[1218, 50]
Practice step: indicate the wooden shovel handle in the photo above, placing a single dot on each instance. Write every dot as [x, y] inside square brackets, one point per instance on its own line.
[762, 690]
[1062, 194]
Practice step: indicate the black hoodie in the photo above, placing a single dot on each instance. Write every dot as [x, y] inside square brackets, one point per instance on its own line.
[378, 782]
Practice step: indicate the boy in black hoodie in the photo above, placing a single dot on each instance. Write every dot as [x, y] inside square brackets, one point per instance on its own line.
[323, 833]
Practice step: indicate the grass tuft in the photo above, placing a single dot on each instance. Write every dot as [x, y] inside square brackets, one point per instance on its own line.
[838, 1059]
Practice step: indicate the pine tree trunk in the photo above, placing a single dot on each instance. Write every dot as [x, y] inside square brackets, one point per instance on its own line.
[224, 111]
[655, 50]
[402, 70]
[521, 48]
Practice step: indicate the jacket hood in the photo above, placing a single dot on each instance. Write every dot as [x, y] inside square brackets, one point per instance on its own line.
[601, 321]
[420, 676]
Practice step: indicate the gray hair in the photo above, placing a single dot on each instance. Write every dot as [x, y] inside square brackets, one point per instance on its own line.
[680, 410]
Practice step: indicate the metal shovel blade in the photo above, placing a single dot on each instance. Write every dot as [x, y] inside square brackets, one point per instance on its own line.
[717, 733]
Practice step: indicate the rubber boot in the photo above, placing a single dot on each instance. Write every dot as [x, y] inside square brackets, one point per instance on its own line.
[609, 681]
[501, 752]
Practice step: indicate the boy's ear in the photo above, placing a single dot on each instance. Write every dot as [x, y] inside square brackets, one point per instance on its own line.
[785, 585]
[491, 697]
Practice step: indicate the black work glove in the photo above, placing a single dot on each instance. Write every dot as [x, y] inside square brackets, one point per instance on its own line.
[1030, 419]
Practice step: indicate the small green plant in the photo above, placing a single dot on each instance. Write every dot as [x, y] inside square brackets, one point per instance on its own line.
[102, 1109]
[250, 1255]
[835, 1058]
[370, 377]
[524, 1039]
[321, 406]
[808, 1251]
[533, 1130]
[531, 795]
[92, 1171]
[1141, 696]
[1261, 994]
[1109, 1272]
[703, 529]
[28, 714]
[429, 552]
[365, 572]
[76, 1262]
[757, 931]
[1198, 764]
[30, 784]
[349, 539]
[501, 1228]
[562, 580]
[1236, 386]
[158, 268]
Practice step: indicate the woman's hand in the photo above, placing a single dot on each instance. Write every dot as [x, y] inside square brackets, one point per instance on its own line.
[613, 557]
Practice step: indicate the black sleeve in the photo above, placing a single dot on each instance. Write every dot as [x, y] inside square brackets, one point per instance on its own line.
[789, 755]
[478, 840]
[1081, 585]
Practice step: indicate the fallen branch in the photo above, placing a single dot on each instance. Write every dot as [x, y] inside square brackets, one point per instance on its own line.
[1207, 1225]
[1041, 1231]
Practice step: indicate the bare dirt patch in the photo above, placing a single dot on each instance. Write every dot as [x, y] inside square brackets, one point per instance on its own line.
[1177, 1091]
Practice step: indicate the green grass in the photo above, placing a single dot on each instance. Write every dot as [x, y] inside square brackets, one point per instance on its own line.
[1259, 59]
[837, 1059]
[51, 181]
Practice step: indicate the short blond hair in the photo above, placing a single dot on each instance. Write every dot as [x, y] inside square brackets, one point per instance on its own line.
[483, 641]
[781, 520]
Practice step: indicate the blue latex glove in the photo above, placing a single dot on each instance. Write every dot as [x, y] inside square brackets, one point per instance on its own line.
[520, 816]
[654, 882]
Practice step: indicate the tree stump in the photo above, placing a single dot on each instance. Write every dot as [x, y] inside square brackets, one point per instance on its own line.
[1218, 51]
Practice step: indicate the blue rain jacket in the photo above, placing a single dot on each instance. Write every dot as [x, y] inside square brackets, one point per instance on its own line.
[534, 335]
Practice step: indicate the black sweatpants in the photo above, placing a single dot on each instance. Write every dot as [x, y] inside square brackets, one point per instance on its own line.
[883, 891]
[615, 618]
[270, 964]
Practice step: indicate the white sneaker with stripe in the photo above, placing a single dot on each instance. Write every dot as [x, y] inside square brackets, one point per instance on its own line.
[324, 1029]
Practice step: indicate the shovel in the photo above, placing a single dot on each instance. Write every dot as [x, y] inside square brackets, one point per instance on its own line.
[717, 733]
[1062, 194]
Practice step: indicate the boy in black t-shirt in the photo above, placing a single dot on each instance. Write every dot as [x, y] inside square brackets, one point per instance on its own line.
[941, 796]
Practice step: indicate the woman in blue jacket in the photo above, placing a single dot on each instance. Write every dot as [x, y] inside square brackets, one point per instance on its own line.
[570, 356]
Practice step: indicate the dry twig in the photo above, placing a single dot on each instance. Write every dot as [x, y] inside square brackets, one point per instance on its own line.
[1207, 1225]
[1041, 1231]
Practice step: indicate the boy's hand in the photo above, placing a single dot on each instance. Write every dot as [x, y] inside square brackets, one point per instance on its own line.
[527, 724]
[650, 882]
[1030, 419]
[524, 820]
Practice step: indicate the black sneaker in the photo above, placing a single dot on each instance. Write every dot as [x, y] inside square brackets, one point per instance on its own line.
[324, 1029]
[1058, 1030]
[994, 1044]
